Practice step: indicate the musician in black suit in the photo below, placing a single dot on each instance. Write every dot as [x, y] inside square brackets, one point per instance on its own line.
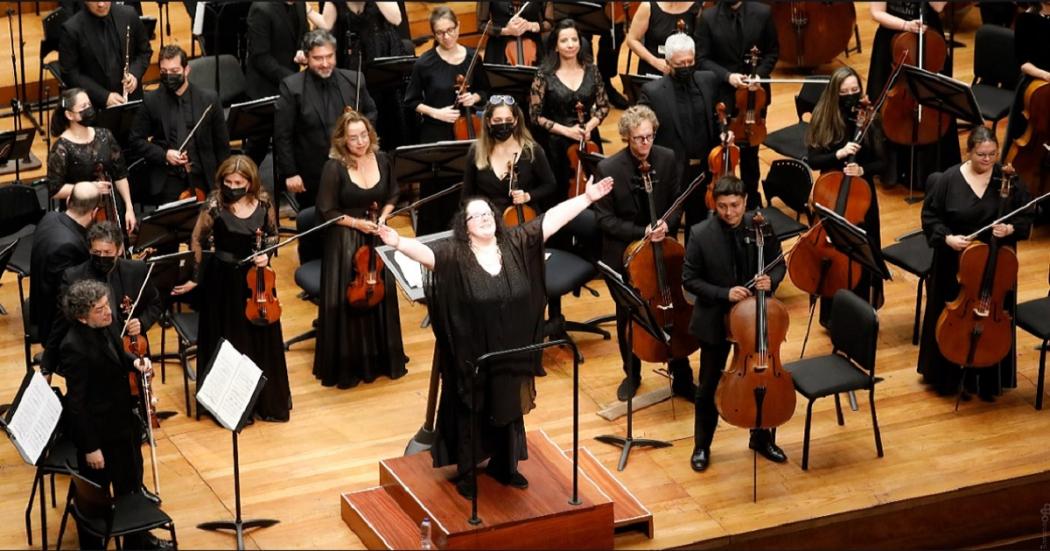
[684, 102]
[719, 262]
[99, 402]
[58, 243]
[723, 39]
[92, 52]
[623, 215]
[309, 105]
[274, 32]
[166, 120]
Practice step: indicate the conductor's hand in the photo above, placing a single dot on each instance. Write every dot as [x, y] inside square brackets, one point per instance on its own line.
[95, 460]
[853, 169]
[143, 365]
[738, 293]
[174, 158]
[764, 283]
[446, 114]
[599, 189]
[1002, 230]
[389, 236]
[114, 99]
[659, 233]
[851, 148]
[957, 242]
[134, 327]
[184, 288]
[260, 260]
[295, 184]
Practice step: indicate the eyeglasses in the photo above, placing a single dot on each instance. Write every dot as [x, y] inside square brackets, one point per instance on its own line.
[648, 138]
[501, 100]
[446, 32]
[479, 215]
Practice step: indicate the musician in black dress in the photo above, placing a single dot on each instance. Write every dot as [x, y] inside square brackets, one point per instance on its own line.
[82, 152]
[355, 344]
[565, 78]
[504, 141]
[237, 217]
[1032, 28]
[624, 217]
[719, 262]
[482, 297]
[724, 37]
[652, 25]
[962, 200]
[94, 47]
[506, 27]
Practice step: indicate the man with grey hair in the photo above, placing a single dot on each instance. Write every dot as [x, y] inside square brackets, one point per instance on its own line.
[684, 102]
[309, 104]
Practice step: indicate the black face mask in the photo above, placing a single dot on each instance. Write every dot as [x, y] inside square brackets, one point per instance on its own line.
[87, 116]
[501, 132]
[232, 195]
[682, 74]
[172, 82]
[848, 102]
[103, 264]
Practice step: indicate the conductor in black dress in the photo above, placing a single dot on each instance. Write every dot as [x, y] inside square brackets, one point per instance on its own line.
[718, 264]
[92, 52]
[309, 105]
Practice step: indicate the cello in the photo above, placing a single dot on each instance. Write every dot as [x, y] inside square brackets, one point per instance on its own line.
[579, 179]
[905, 121]
[723, 159]
[468, 124]
[367, 288]
[813, 33]
[756, 392]
[749, 126]
[516, 214]
[656, 272]
[1030, 153]
[262, 307]
[975, 330]
[521, 50]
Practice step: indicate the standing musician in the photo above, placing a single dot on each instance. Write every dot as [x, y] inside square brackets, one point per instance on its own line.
[482, 297]
[725, 35]
[652, 25]
[623, 216]
[354, 344]
[1030, 49]
[99, 401]
[309, 105]
[608, 51]
[566, 77]
[82, 152]
[504, 140]
[962, 200]
[829, 140]
[683, 101]
[167, 117]
[719, 262]
[93, 53]
[236, 217]
[506, 28]
[275, 31]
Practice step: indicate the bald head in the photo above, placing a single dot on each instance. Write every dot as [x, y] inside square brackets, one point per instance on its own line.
[83, 198]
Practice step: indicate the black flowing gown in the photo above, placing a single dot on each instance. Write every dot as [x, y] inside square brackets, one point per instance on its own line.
[222, 294]
[951, 208]
[474, 312]
[354, 345]
[534, 177]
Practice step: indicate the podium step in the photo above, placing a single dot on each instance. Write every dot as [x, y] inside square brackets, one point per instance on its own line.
[378, 520]
[628, 512]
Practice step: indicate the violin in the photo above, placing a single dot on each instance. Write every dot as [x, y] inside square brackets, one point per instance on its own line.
[262, 307]
[755, 392]
[975, 329]
[749, 126]
[656, 272]
[723, 159]
[1030, 153]
[579, 179]
[811, 34]
[194, 192]
[138, 346]
[521, 50]
[905, 122]
[515, 215]
[816, 267]
[367, 288]
[468, 125]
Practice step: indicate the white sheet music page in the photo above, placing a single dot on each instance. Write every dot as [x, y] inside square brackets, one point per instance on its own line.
[412, 270]
[35, 418]
[229, 385]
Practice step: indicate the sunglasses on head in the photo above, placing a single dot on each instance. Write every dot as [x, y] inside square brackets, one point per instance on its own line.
[501, 100]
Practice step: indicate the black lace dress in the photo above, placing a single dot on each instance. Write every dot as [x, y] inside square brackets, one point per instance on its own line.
[662, 25]
[69, 162]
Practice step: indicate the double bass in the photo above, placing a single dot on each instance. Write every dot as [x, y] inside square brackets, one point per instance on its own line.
[521, 50]
[810, 34]
[262, 307]
[367, 288]
[749, 127]
[723, 158]
[468, 125]
[516, 214]
[579, 179]
[905, 122]
[1030, 153]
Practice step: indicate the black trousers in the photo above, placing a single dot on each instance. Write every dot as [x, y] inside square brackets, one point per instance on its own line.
[712, 361]
[632, 366]
[750, 173]
[122, 469]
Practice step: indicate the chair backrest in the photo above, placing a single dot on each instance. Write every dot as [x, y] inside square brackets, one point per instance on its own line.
[231, 78]
[993, 57]
[52, 24]
[19, 207]
[791, 180]
[90, 500]
[809, 95]
[854, 329]
[309, 247]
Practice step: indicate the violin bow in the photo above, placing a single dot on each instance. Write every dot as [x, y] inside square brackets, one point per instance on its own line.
[522, 9]
[426, 200]
[1009, 215]
[249, 258]
[780, 259]
[138, 297]
[693, 186]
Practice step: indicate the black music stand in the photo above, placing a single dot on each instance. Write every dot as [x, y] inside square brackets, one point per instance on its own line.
[512, 80]
[853, 242]
[16, 148]
[168, 226]
[590, 17]
[383, 73]
[119, 119]
[431, 164]
[626, 298]
[251, 119]
[632, 85]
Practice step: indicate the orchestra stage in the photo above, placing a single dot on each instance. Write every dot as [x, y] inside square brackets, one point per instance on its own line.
[975, 477]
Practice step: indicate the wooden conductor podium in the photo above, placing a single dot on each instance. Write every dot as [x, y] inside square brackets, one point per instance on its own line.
[539, 517]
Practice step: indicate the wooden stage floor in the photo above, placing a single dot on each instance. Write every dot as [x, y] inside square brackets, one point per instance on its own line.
[296, 471]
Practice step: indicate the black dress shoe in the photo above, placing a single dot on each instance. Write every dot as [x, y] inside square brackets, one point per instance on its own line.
[628, 387]
[514, 480]
[150, 495]
[700, 460]
[465, 487]
[769, 450]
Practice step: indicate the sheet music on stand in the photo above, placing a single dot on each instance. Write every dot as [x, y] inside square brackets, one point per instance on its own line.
[407, 272]
[231, 387]
[33, 417]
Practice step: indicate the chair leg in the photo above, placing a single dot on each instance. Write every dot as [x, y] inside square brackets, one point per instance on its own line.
[805, 439]
[174, 541]
[38, 479]
[184, 363]
[163, 356]
[54, 503]
[1042, 372]
[875, 420]
[918, 312]
[62, 527]
[838, 410]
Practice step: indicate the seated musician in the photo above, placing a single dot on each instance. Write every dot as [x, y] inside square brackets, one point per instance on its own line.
[104, 429]
[719, 262]
[504, 139]
[93, 51]
[1033, 26]
[167, 118]
[623, 217]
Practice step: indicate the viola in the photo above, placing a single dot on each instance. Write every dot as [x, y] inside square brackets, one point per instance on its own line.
[138, 346]
[810, 34]
[655, 271]
[749, 126]
[367, 288]
[515, 215]
[521, 50]
[1030, 153]
[723, 159]
[975, 329]
[262, 307]
[194, 192]
[580, 175]
[468, 125]
[905, 122]
[755, 392]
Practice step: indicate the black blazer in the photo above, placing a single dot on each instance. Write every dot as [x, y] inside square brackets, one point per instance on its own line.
[58, 243]
[301, 137]
[709, 271]
[80, 54]
[675, 130]
[623, 213]
[98, 398]
[272, 43]
[209, 146]
[719, 50]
